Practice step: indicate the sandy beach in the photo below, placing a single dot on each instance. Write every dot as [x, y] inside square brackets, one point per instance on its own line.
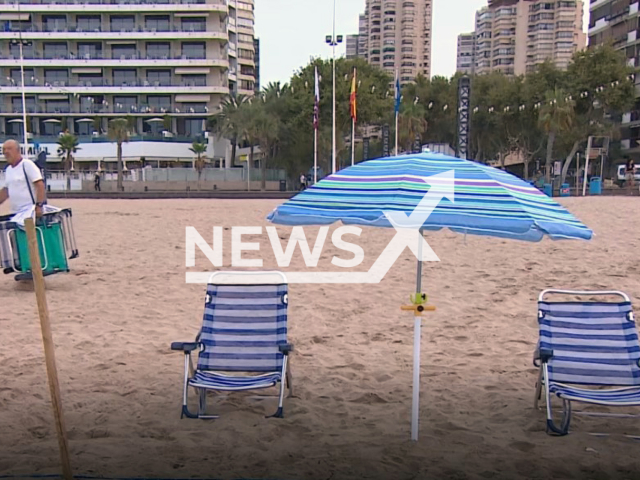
[125, 300]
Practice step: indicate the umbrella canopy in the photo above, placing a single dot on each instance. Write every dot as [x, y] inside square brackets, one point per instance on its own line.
[487, 201]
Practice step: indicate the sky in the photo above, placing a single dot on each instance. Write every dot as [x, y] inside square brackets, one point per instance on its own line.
[293, 31]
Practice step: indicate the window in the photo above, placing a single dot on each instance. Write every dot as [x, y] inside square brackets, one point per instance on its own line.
[54, 23]
[246, 70]
[123, 23]
[159, 102]
[84, 128]
[16, 105]
[159, 23]
[89, 23]
[246, 54]
[192, 50]
[87, 103]
[16, 77]
[124, 77]
[51, 128]
[56, 77]
[245, 22]
[564, 34]
[27, 50]
[244, 38]
[159, 77]
[55, 50]
[199, 24]
[158, 50]
[125, 104]
[90, 50]
[247, 85]
[123, 51]
[90, 79]
[193, 127]
[57, 106]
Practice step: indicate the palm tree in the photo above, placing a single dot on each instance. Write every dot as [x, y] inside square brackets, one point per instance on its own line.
[227, 122]
[119, 132]
[266, 128]
[199, 149]
[411, 123]
[67, 147]
[556, 116]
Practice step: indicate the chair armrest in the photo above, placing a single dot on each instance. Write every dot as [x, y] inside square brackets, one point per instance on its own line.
[186, 347]
[286, 348]
[545, 355]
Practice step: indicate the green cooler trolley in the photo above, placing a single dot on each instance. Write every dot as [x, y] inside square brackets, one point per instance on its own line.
[56, 244]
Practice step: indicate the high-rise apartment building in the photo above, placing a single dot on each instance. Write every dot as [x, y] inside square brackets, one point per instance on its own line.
[353, 44]
[396, 36]
[465, 62]
[515, 36]
[164, 64]
[256, 47]
[618, 22]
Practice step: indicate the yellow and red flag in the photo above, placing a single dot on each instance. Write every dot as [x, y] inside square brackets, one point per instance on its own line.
[352, 98]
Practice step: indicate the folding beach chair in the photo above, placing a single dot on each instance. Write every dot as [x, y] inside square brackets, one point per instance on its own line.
[588, 352]
[243, 341]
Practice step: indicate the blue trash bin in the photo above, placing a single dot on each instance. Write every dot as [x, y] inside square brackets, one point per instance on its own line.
[547, 189]
[595, 186]
[565, 190]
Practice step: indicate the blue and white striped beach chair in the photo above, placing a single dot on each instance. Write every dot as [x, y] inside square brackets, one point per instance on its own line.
[243, 341]
[588, 352]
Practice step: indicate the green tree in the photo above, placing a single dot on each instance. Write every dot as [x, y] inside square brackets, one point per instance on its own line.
[227, 122]
[556, 117]
[67, 147]
[411, 122]
[200, 150]
[119, 133]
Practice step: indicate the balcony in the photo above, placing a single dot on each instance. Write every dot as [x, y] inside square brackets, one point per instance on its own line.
[632, 117]
[108, 109]
[108, 6]
[123, 89]
[72, 32]
[99, 61]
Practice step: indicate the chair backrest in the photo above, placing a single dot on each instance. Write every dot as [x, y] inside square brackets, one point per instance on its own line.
[593, 343]
[243, 326]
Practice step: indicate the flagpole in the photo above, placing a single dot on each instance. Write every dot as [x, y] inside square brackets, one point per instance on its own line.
[315, 156]
[353, 142]
[396, 133]
[397, 110]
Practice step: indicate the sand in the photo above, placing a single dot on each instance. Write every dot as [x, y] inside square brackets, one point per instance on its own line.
[115, 315]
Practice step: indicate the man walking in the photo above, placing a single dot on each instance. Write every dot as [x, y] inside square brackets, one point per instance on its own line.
[96, 182]
[24, 187]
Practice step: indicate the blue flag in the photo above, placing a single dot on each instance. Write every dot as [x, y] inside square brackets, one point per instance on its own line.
[397, 94]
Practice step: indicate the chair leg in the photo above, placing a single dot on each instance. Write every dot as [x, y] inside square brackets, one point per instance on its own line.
[552, 429]
[279, 413]
[538, 395]
[289, 378]
[185, 389]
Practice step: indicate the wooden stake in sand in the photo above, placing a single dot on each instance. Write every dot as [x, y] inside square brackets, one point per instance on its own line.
[49, 348]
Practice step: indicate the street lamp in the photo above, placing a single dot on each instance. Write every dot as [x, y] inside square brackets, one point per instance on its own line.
[333, 40]
[20, 42]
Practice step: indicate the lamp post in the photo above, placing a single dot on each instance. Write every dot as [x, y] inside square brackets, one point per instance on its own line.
[22, 43]
[333, 40]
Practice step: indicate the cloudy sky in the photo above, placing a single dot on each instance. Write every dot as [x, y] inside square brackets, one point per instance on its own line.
[293, 31]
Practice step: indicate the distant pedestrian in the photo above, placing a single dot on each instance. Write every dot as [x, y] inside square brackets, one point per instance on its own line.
[630, 176]
[303, 181]
[96, 182]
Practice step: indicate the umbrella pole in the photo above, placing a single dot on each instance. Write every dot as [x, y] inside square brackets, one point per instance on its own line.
[417, 324]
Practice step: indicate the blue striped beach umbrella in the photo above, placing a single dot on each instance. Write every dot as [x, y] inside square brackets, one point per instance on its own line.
[480, 200]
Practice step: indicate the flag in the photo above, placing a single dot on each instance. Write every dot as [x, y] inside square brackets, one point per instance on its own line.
[316, 104]
[352, 98]
[397, 94]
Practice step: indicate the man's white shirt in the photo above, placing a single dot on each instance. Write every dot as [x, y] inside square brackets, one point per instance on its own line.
[16, 184]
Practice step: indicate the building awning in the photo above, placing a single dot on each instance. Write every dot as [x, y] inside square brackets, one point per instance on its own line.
[193, 98]
[154, 120]
[192, 71]
[15, 16]
[84, 120]
[86, 70]
[52, 120]
[191, 14]
[53, 97]
[15, 120]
